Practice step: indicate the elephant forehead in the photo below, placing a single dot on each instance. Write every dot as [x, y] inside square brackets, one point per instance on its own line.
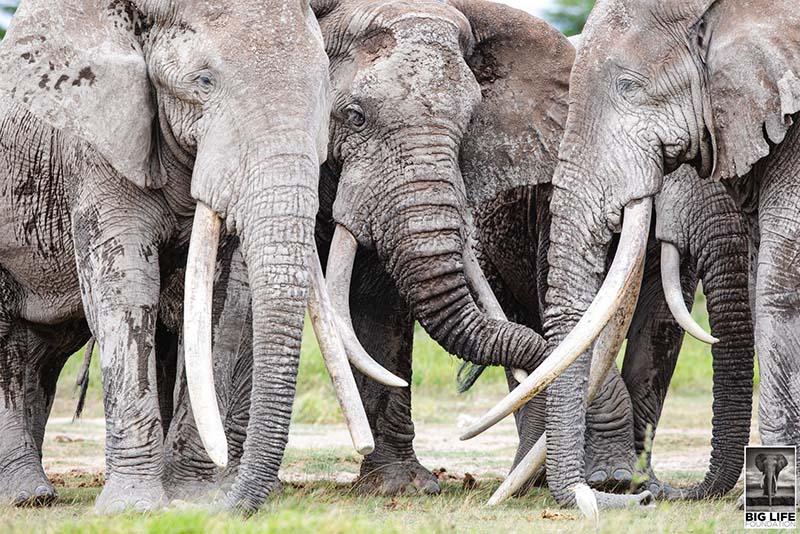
[421, 71]
[386, 13]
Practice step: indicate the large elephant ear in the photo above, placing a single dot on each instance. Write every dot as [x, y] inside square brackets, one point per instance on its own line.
[752, 53]
[782, 462]
[760, 462]
[78, 67]
[523, 67]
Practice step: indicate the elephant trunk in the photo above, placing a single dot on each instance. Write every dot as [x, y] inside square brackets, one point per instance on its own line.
[423, 247]
[723, 265]
[577, 265]
[578, 309]
[275, 222]
[770, 482]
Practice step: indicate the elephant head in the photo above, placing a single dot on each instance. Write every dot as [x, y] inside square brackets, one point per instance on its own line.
[209, 102]
[654, 85]
[770, 466]
[415, 86]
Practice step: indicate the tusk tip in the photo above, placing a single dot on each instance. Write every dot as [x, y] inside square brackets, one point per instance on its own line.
[586, 501]
[399, 383]
[494, 500]
[365, 449]
[219, 455]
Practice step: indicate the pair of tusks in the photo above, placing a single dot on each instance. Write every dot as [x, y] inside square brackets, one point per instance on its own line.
[604, 353]
[621, 275]
[621, 289]
[338, 343]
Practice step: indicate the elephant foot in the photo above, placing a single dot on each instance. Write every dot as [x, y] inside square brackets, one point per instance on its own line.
[128, 494]
[610, 479]
[27, 486]
[389, 479]
[611, 471]
[192, 491]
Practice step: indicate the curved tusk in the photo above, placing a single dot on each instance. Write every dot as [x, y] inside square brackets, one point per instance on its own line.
[486, 298]
[604, 352]
[325, 326]
[340, 271]
[671, 282]
[200, 267]
[623, 273]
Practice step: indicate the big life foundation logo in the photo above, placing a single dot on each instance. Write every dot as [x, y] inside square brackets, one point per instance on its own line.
[770, 488]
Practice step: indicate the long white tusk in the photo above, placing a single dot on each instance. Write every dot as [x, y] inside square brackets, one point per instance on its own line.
[199, 289]
[623, 273]
[671, 282]
[325, 327]
[604, 352]
[486, 298]
[340, 271]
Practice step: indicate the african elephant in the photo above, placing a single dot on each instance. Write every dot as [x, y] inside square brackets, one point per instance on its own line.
[417, 89]
[770, 466]
[705, 228]
[122, 121]
[656, 85]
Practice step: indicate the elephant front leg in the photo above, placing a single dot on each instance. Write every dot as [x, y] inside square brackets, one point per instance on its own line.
[777, 333]
[386, 332]
[22, 478]
[610, 454]
[654, 344]
[120, 280]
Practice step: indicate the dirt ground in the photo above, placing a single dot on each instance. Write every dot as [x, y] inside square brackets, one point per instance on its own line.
[682, 445]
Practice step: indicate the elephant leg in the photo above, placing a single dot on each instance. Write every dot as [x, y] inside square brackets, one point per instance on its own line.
[22, 478]
[40, 389]
[610, 454]
[190, 474]
[530, 422]
[777, 321]
[654, 344]
[386, 332]
[120, 281]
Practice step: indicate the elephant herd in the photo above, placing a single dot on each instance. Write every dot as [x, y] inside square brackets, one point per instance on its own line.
[178, 173]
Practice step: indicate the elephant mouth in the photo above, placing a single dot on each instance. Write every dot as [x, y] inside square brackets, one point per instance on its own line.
[338, 343]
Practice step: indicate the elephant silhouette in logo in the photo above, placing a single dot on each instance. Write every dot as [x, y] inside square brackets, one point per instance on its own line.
[770, 466]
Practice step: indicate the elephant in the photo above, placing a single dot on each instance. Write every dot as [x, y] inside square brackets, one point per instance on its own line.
[770, 466]
[709, 233]
[656, 85]
[131, 130]
[418, 87]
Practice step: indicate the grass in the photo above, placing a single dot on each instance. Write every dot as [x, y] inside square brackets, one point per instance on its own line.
[322, 503]
[325, 507]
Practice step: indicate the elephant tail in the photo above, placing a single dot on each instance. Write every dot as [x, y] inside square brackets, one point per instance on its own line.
[82, 383]
[468, 374]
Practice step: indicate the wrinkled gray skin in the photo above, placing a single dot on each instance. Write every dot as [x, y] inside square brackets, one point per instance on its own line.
[770, 466]
[657, 84]
[425, 100]
[702, 221]
[117, 117]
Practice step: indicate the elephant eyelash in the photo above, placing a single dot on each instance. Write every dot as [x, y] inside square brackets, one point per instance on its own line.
[626, 85]
[204, 80]
[354, 116]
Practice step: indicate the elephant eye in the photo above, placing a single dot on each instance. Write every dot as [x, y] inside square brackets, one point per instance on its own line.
[355, 116]
[205, 80]
[626, 85]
